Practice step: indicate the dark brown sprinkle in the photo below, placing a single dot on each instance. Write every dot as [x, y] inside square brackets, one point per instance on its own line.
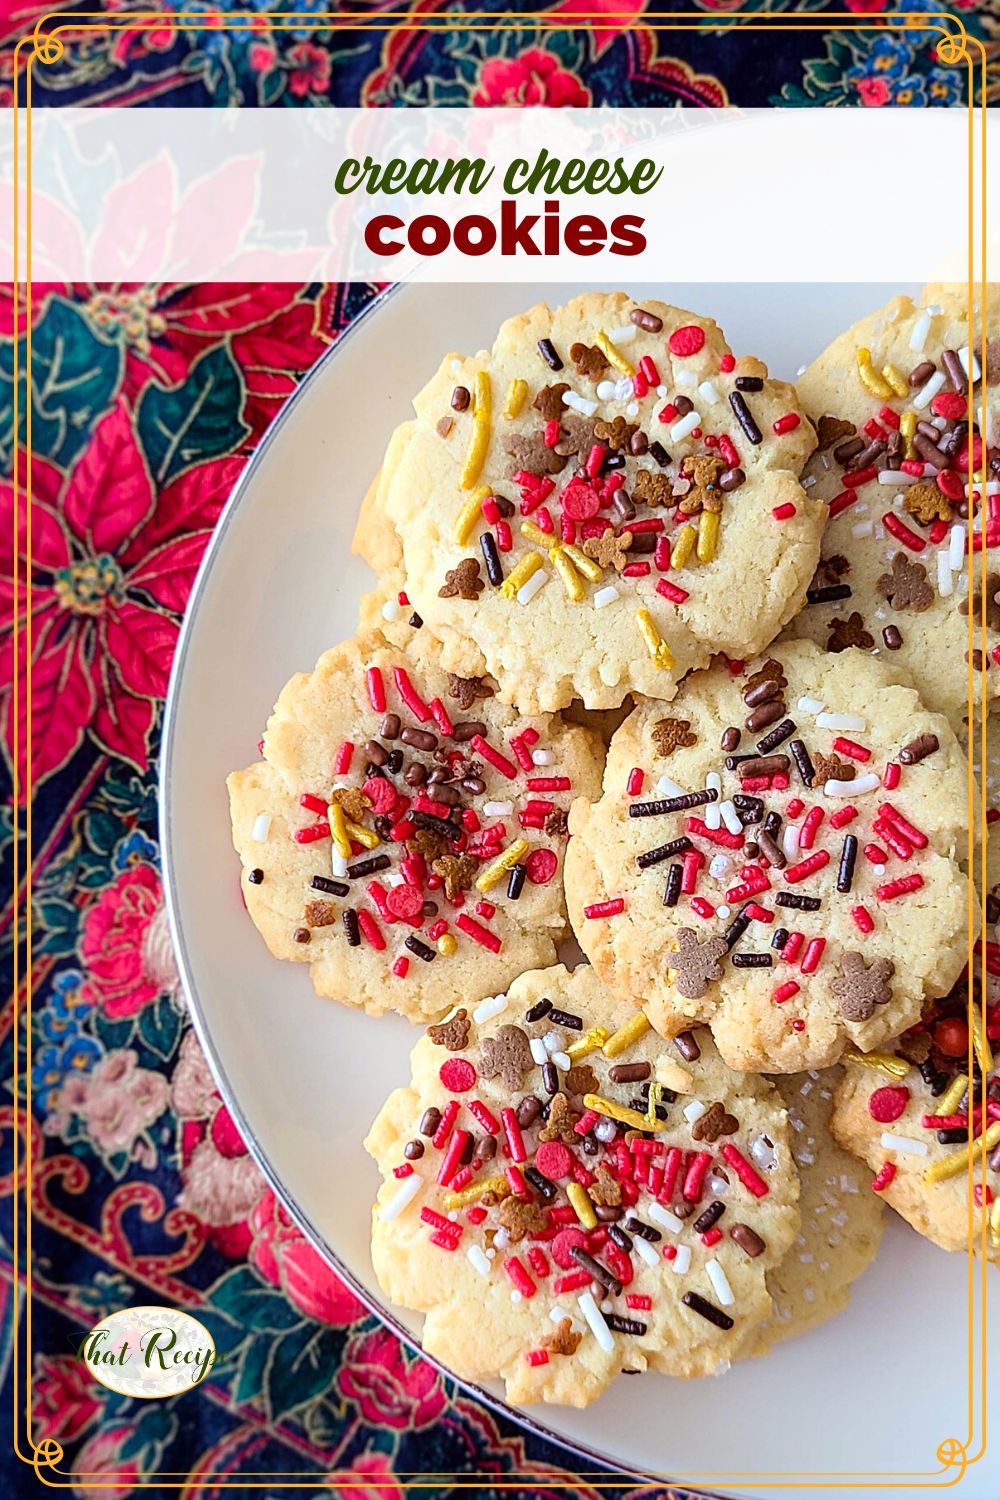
[538, 1010]
[546, 349]
[429, 1121]
[622, 508]
[953, 439]
[707, 1310]
[932, 1076]
[618, 1324]
[922, 372]
[390, 727]
[772, 824]
[550, 1078]
[664, 851]
[752, 849]
[779, 938]
[803, 762]
[415, 621]
[952, 1137]
[606, 1213]
[672, 891]
[487, 1148]
[766, 714]
[644, 319]
[730, 739]
[491, 557]
[436, 825]
[760, 765]
[541, 1183]
[773, 851]
[735, 930]
[600, 1273]
[687, 1046]
[353, 931]
[528, 1111]
[797, 902]
[749, 383]
[748, 1240]
[659, 454]
[745, 418]
[929, 431]
[638, 443]
[844, 452]
[776, 737]
[474, 785]
[429, 909]
[467, 729]
[620, 1238]
[763, 691]
[869, 453]
[643, 1230]
[750, 809]
[684, 405]
[460, 398]
[256, 876]
[413, 1150]
[992, 909]
[370, 866]
[375, 752]
[301, 935]
[711, 1215]
[752, 960]
[731, 479]
[515, 882]
[630, 1072]
[420, 949]
[848, 857]
[953, 366]
[828, 595]
[565, 1019]
[661, 805]
[415, 773]
[419, 739]
[919, 749]
[929, 451]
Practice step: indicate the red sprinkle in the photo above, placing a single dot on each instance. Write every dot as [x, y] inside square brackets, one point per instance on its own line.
[794, 873]
[695, 1176]
[890, 779]
[418, 708]
[401, 967]
[457, 1075]
[904, 886]
[512, 1133]
[497, 761]
[883, 1176]
[843, 815]
[687, 340]
[376, 689]
[610, 908]
[852, 749]
[370, 929]
[785, 992]
[744, 1171]
[636, 777]
[519, 1276]
[887, 1104]
[727, 364]
[786, 511]
[540, 866]
[342, 759]
[813, 954]
[787, 423]
[478, 934]
[895, 527]
[841, 502]
[859, 477]
[554, 1160]
[311, 833]
[405, 902]
[537, 1356]
[862, 919]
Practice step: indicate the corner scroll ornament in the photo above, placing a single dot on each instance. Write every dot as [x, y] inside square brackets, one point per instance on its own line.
[45, 47]
[953, 1454]
[47, 1454]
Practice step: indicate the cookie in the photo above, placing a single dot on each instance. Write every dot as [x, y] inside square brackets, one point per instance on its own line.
[841, 1218]
[889, 398]
[798, 890]
[566, 1196]
[624, 490]
[907, 1115]
[404, 832]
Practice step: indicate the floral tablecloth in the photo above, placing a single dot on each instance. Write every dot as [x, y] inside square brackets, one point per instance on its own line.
[142, 1187]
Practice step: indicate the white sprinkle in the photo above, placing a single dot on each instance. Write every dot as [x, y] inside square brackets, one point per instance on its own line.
[685, 377]
[928, 391]
[542, 758]
[965, 358]
[338, 864]
[632, 410]
[605, 596]
[713, 811]
[537, 581]
[261, 827]
[708, 393]
[553, 1041]
[402, 1198]
[501, 1239]
[668, 788]
[605, 1131]
[895, 476]
[515, 1296]
[730, 817]
[790, 841]
[598, 1327]
[904, 1144]
[956, 548]
[811, 705]
[478, 1260]
[393, 877]
[664, 1217]
[605, 389]
[685, 426]
[720, 1283]
[661, 391]
[587, 408]
[681, 1262]
[763, 1153]
[623, 335]
[878, 871]
[853, 788]
[946, 582]
[562, 1060]
[719, 866]
[391, 610]
[694, 1111]
[863, 528]
[645, 1251]
[921, 328]
[841, 721]
[495, 1005]
[456, 365]
[538, 1052]
[623, 387]
[722, 911]
[498, 809]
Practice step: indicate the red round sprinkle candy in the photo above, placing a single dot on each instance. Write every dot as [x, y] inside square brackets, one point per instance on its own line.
[949, 483]
[457, 1075]
[686, 340]
[540, 866]
[977, 454]
[580, 501]
[727, 364]
[565, 1241]
[617, 1261]
[404, 901]
[887, 1104]
[554, 1160]
[951, 1036]
[380, 793]
[949, 404]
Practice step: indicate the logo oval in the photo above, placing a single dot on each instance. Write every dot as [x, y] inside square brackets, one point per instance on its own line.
[148, 1352]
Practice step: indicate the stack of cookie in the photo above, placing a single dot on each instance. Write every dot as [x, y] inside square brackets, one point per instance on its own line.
[671, 654]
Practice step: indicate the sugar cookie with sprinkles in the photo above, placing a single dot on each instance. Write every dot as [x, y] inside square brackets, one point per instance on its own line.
[566, 1196]
[909, 1113]
[841, 1219]
[619, 492]
[776, 853]
[890, 399]
[404, 832]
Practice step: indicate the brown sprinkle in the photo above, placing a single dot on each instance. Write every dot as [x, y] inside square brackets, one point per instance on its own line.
[919, 749]
[748, 1240]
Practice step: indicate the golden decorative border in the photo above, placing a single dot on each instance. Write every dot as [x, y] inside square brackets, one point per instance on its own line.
[956, 46]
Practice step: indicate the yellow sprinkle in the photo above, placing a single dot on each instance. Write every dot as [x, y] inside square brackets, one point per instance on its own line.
[708, 535]
[907, 428]
[589, 1042]
[613, 356]
[517, 393]
[896, 379]
[572, 582]
[626, 1036]
[366, 836]
[980, 1043]
[621, 1113]
[995, 1222]
[586, 565]
[535, 534]
[886, 1063]
[500, 866]
[446, 944]
[655, 1095]
[870, 379]
[953, 1095]
[582, 1206]
[957, 1161]
[498, 1186]
[470, 515]
[481, 429]
[655, 644]
[683, 546]
[338, 829]
[518, 577]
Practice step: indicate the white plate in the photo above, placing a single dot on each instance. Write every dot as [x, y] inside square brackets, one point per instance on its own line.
[876, 1390]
